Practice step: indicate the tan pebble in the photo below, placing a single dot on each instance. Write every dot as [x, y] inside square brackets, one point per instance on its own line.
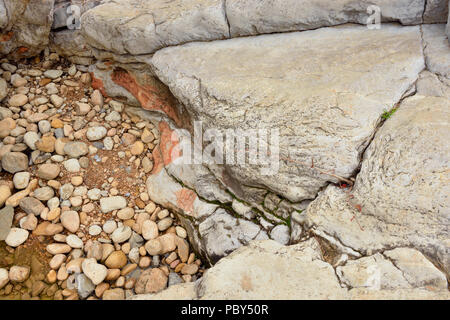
[53, 214]
[83, 218]
[165, 269]
[128, 268]
[112, 274]
[62, 273]
[153, 247]
[87, 208]
[114, 294]
[142, 251]
[129, 223]
[57, 123]
[149, 208]
[107, 249]
[67, 292]
[116, 260]
[56, 248]
[51, 276]
[179, 267]
[183, 249]
[144, 262]
[172, 256]
[125, 213]
[126, 248]
[54, 184]
[191, 258]
[175, 263]
[101, 288]
[144, 196]
[120, 282]
[76, 181]
[129, 284]
[189, 269]
[57, 261]
[139, 203]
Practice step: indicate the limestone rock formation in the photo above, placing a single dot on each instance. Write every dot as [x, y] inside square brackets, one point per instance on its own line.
[142, 27]
[299, 272]
[448, 24]
[400, 197]
[71, 44]
[252, 17]
[24, 26]
[436, 49]
[327, 89]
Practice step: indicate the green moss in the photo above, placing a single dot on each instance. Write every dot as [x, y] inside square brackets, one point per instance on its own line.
[387, 114]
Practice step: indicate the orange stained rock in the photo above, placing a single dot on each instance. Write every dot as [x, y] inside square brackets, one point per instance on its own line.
[185, 200]
[149, 96]
[21, 50]
[6, 37]
[97, 84]
[168, 149]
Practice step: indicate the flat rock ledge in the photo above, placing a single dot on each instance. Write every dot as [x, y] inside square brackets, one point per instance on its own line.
[299, 272]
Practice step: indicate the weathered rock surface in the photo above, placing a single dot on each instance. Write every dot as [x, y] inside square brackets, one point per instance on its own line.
[437, 49]
[25, 26]
[143, 27]
[252, 17]
[241, 81]
[72, 44]
[294, 272]
[221, 234]
[436, 11]
[119, 26]
[400, 197]
[447, 29]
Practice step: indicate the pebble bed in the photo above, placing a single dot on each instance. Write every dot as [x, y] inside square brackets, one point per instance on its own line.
[76, 219]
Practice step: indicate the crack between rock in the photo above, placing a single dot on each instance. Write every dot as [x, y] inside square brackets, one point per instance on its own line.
[224, 7]
[425, 4]
[395, 265]
[341, 246]
[424, 47]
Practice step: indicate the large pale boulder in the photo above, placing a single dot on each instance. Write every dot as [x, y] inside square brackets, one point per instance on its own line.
[324, 90]
[25, 26]
[252, 17]
[447, 29]
[436, 11]
[400, 197]
[141, 27]
[268, 270]
[296, 272]
[437, 49]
